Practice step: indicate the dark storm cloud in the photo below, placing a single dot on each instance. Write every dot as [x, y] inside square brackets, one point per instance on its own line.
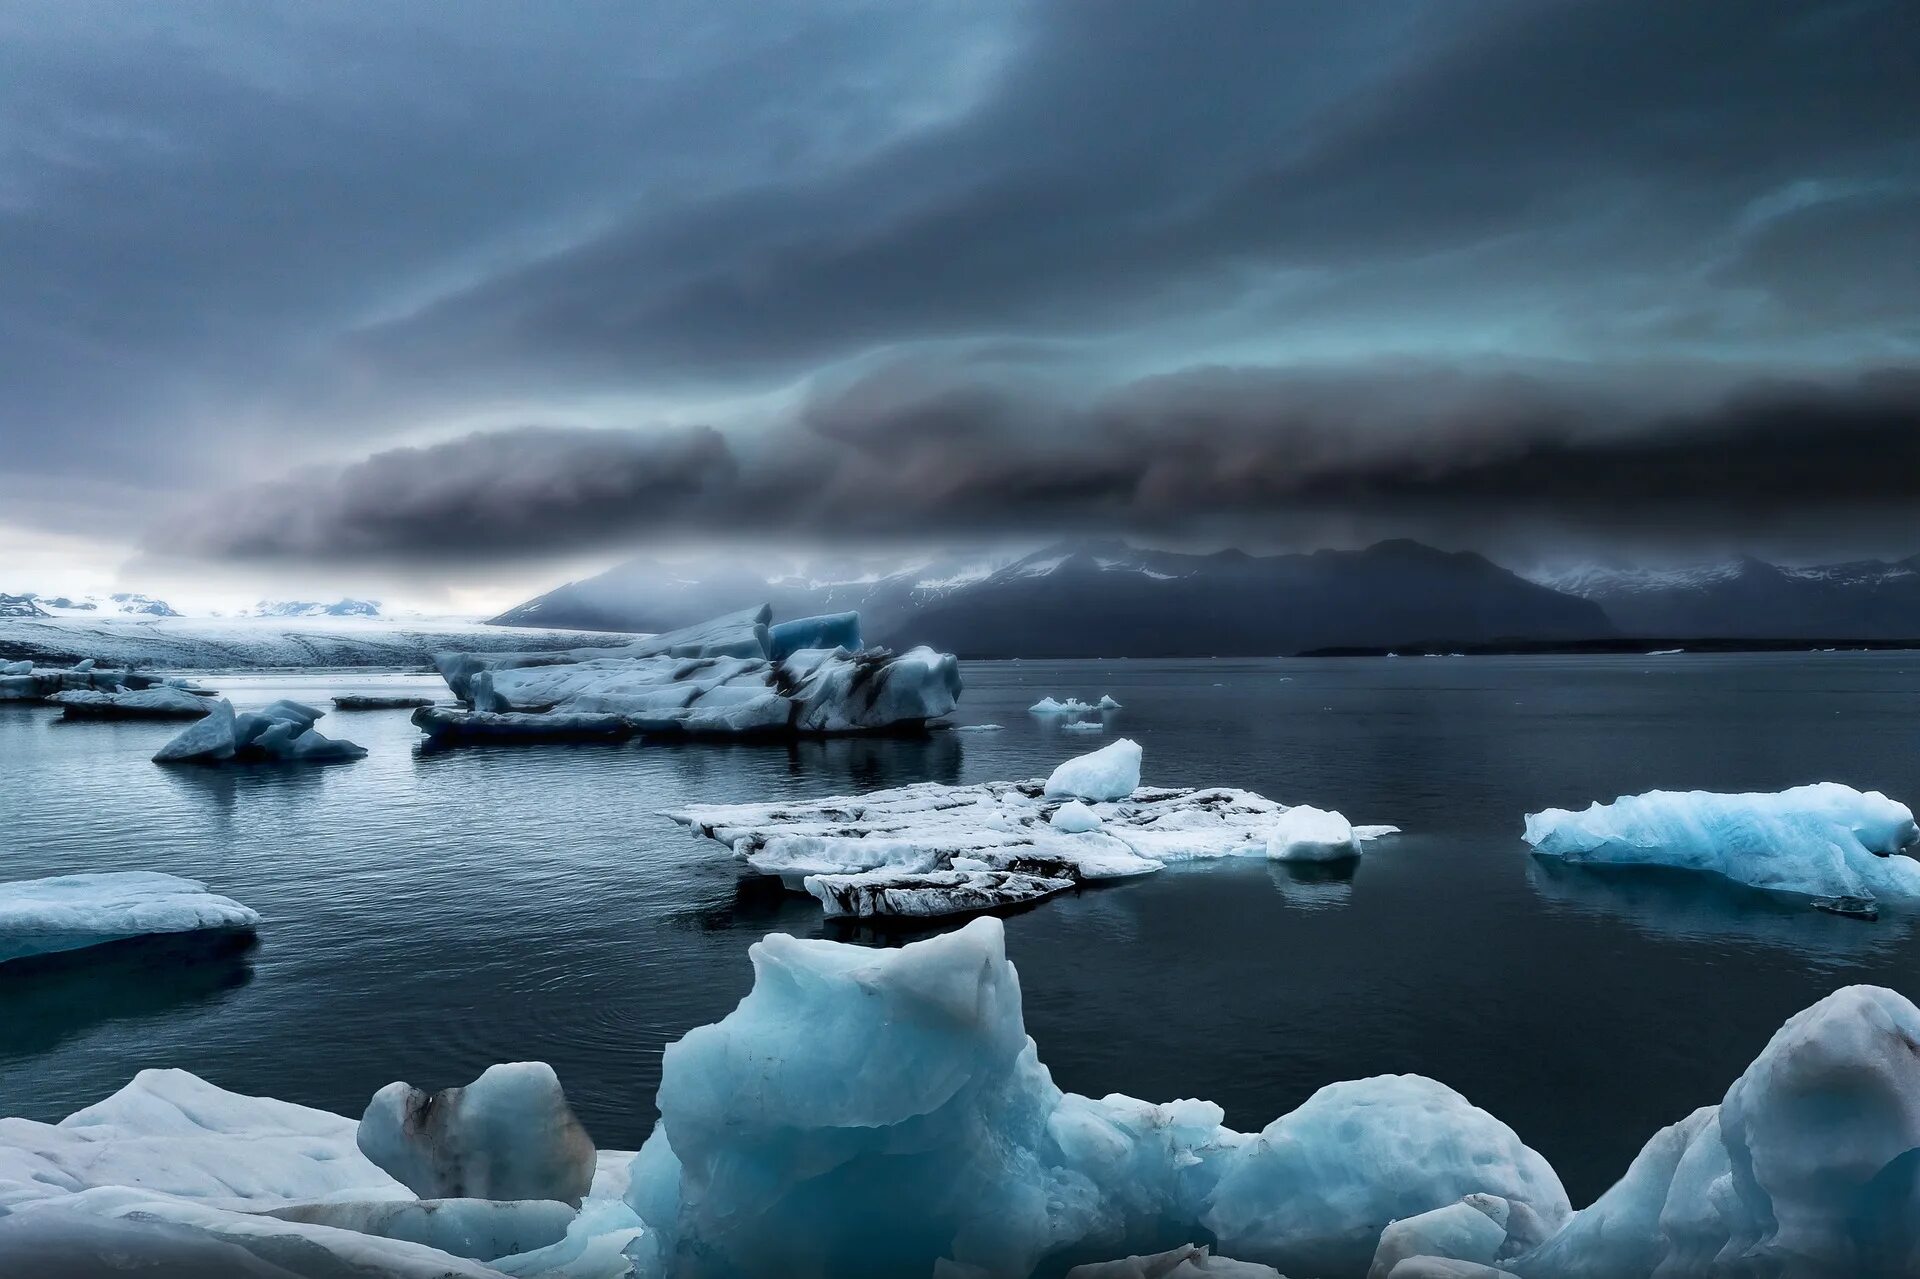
[238, 239]
[900, 455]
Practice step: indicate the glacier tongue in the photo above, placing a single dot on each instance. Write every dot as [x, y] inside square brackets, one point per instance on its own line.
[1824, 841]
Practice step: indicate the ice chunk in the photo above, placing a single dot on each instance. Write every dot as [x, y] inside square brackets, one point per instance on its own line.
[827, 631]
[741, 634]
[1106, 703]
[1191, 1261]
[1821, 841]
[174, 1134]
[1308, 834]
[1474, 1230]
[380, 701]
[1074, 818]
[447, 726]
[1808, 1161]
[508, 1135]
[874, 1112]
[1002, 826]
[163, 701]
[1049, 706]
[1318, 1186]
[1110, 773]
[1084, 726]
[71, 912]
[283, 732]
[16, 668]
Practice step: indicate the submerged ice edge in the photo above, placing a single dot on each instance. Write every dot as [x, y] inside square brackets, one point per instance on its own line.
[869, 1112]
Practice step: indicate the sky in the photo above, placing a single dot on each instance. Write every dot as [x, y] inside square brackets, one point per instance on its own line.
[448, 302]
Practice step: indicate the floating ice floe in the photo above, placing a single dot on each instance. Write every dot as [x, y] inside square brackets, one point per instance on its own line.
[1051, 706]
[27, 682]
[162, 701]
[1084, 726]
[71, 912]
[380, 701]
[282, 732]
[510, 1134]
[932, 849]
[735, 676]
[1828, 842]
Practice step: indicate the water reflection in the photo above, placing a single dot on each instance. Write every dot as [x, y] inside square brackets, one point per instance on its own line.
[1315, 885]
[1682, 904]
[49, 999]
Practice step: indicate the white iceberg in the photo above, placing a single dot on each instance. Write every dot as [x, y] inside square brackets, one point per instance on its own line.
[162, 701]
[1110, 773]
[72, 912]
[1106, 703]
[1084, 726]
[510, 1134]
[1308, 834]
[1826, 841]
[1051, 706]
[282, 732]
[1013, 830]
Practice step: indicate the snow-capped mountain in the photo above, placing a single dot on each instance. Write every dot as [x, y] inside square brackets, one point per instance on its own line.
[1107, 598]
[1750, 599]
[313, 608]
[118, 604]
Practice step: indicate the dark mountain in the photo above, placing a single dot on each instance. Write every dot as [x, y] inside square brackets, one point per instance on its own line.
[1749, 599]
[1093, 599]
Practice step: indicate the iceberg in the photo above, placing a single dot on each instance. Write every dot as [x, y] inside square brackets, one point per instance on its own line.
[1828, 842]
[1084, 726]
[1049, 706]
[510, 1134]
[162, 701]
[726, 678]
[282, 732]
[992, 843]
[828, 631]
[380, 701]
[1110, 773]
[881, 1112]
[27, 682]
[1308, 834]
[1106, 703]
[72, 912]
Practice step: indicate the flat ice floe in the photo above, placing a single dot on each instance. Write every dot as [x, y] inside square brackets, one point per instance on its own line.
[932, 849]
[162, 701]
[1828, 842]
[734, 676]
[71, 912]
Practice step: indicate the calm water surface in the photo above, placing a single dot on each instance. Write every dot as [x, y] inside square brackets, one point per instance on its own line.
[427, 915]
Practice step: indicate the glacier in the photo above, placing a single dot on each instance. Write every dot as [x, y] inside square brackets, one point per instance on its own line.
[282, 732]
[1827, 842]
[931, 849]
[733, 676]
[71, 912]
[872, 1112]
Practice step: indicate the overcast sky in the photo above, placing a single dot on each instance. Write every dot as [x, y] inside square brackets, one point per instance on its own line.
[451, 300]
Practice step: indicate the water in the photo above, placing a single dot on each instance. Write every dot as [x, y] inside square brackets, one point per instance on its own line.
[430, 914]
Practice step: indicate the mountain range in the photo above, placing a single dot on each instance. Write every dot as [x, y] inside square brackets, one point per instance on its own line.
[1752, 599]
[1097, 598]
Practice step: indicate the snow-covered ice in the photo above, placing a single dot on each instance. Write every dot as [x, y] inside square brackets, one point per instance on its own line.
[1052, 706]
[1825, 841]
[1308, 834]
[282, 732]
[1110, 773]
[1009, 833]
[509, 1134]
[162, 701]
[71, 912]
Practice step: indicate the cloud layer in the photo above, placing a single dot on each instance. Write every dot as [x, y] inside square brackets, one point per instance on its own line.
[243, 242]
